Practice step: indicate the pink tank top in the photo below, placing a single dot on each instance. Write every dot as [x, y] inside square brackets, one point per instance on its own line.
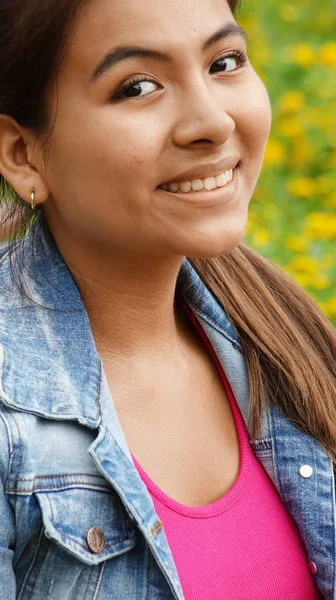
[244, 546]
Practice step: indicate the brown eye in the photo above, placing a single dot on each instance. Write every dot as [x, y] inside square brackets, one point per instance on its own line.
[229, 63]
[135, 88]
[141, 86]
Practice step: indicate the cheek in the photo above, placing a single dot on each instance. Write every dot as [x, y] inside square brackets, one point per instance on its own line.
[254, 119]
[128, 153]
[104, 149]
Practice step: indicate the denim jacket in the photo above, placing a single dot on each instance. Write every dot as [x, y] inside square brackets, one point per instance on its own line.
[65, 466]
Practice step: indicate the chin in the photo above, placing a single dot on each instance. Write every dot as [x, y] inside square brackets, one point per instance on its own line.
[216, 245]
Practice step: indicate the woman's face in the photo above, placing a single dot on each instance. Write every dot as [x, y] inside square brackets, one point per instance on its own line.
[175, 96]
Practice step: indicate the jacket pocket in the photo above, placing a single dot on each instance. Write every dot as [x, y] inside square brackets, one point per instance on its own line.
[68, 516]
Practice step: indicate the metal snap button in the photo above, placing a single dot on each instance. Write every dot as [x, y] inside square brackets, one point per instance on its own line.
[306, 471]
[96, 540]
[313, 567]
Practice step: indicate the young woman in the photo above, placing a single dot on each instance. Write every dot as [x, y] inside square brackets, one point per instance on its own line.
[168, 396]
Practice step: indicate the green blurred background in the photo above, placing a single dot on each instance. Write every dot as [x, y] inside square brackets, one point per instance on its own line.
[292, 219]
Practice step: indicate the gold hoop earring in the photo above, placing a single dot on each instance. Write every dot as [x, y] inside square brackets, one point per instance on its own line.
[32, 197]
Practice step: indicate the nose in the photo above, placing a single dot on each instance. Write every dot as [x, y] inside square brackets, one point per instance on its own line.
[203, 116]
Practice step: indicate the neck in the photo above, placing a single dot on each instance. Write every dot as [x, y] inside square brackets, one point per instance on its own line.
[130, 301]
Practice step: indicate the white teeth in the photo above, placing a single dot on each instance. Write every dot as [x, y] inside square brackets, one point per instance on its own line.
[185, 186]
[197, 184]
[209, 183]
[221, 180]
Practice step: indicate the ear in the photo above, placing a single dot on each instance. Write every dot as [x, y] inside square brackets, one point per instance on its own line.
[17, 161]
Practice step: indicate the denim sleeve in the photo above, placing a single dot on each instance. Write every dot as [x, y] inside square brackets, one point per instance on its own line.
[7, 522]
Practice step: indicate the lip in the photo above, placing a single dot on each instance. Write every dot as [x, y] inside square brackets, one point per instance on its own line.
[209, 170]
[206, 198]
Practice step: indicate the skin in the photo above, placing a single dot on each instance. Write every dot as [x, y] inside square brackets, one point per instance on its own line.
[123, 239]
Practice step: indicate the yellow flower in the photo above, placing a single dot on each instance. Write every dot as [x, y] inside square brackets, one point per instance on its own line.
[330, 308]
[297, 243]
[325, 184]
[327, 54]
[321, 282]
[303, 55]
[321, 225]
[304, 264]
[275, 152]
[330, 200]
[320, 117]
[261, 237]
[291, 127]
[322, 305]
[332, 159]
[303, 154]
[312, 280]
[303, 279]
[292, 101]
[302, 187]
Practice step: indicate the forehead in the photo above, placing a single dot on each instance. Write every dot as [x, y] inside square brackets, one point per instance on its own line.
[168, 24]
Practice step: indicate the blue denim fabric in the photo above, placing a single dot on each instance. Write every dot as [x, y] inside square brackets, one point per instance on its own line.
[65, 465]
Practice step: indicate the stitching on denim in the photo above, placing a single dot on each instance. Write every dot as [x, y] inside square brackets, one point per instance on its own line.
[98, 407]
[148, 558]
[56, 475]
[51, 508]
[333, 494]
[215, 325]
[102, 567]
[64, 486]
[19, 443]
[88, 583]
[10, 446]
[31, 566]
[56, 417]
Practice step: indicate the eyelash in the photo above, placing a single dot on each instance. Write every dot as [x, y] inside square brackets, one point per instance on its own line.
[241, 56]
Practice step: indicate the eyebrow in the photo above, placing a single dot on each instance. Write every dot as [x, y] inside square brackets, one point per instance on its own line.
[125, 52]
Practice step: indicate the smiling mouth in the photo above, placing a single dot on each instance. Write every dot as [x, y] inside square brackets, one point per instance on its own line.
[195, 185]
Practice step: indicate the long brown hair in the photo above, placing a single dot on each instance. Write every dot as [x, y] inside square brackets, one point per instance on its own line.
[289, 345]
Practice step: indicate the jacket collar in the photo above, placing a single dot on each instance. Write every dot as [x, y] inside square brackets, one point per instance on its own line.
[49, 365]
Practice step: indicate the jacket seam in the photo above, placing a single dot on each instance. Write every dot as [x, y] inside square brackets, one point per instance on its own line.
[10, 443]
[88, 584]
[102, 567]
[57, 487]
[148, 575]
[39, 571]
[213, 324]
[55, 417]
[56, 475]
[19, 443]
[333, 493]
[98, 392]
[22, 589]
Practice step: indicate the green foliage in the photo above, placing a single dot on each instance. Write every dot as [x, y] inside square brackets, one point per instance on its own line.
[293, 212]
